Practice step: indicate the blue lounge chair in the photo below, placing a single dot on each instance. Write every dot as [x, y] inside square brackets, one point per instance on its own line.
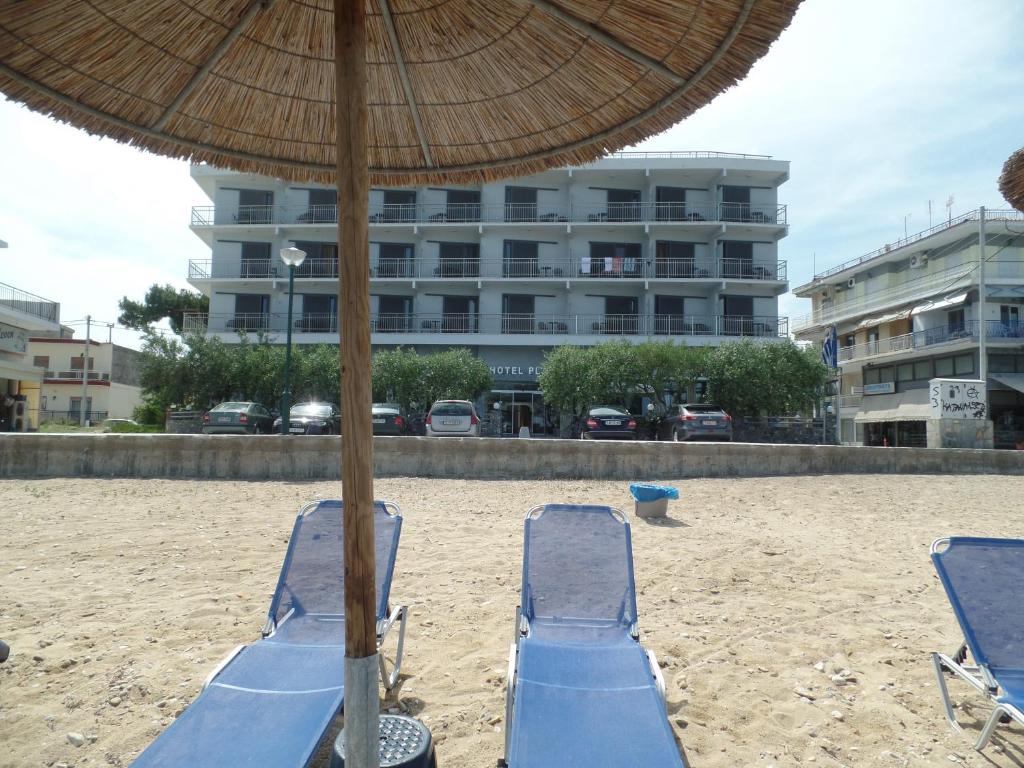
[582, 691]
[271, 703]
[983, 579]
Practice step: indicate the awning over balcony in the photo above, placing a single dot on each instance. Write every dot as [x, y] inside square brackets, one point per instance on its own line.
[903, 406]
[901, 314]
[950, 301]
[1011, 380]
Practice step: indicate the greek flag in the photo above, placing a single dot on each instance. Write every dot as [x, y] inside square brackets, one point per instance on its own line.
[830, 349]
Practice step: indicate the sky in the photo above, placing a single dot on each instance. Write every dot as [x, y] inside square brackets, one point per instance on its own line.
[880, 106]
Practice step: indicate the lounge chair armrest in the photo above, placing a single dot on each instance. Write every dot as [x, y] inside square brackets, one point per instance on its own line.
[400, 614]
[659, 681]
[220, 667]
[510, 685]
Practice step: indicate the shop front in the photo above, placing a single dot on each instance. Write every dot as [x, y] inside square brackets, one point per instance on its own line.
[515, 401]
[893, 419]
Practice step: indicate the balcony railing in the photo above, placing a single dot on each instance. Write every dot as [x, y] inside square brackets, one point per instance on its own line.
[76, 375]
[684, 213]
[932, 337]
[544, 267]
[28, 303]
[500, 324]
[70, 417]
[943, 282]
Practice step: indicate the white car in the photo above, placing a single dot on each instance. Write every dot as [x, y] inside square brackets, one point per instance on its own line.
[452, 418]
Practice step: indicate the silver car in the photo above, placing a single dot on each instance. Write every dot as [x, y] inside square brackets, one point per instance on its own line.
[452, 418]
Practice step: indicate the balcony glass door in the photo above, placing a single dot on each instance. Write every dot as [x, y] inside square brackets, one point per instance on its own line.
[737, 259]
[669, 315]
[399, 205]
[517, 313]
[620, 314]
[395, 260]
[252, 312]
[520, 259]
[735, 203]
[623, 205]
[319, 313]
[458, 314]
[458, 260]
[676, 260]
[321, 259]
[739, 315]
[254, 206]
[462, 205]
[394, 314]
[670, 204]
[613, 260]
[256, 260]
[520, 204]
[322, 208]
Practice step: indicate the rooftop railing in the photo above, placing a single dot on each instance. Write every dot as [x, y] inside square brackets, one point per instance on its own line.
[683, 154]
[956, 333]
[542, 268]
[990, 216]
[29, 303]
[680, 213]
[939, 282]
[499, 324]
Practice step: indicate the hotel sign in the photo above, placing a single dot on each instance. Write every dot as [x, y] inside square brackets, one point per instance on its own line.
[13, 339]
[516, 370]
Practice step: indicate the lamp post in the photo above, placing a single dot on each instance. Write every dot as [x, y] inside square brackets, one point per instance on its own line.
[292, 257]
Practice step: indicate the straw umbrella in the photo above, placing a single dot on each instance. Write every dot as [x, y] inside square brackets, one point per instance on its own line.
[397, 92]
[1011, 181]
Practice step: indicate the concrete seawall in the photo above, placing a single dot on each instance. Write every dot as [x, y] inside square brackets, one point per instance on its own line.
[317, 458]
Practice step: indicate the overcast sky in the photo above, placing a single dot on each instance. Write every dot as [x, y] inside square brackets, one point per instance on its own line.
[879, 105]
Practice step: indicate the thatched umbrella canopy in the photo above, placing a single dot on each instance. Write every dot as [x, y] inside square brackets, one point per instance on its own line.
[1011, 181]
[398, 91]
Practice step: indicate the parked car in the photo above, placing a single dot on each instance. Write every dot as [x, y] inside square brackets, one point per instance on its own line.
[452, 418]
[233, 418]
[312, 419]
[388, 419]
[696, 422]
[608, 422]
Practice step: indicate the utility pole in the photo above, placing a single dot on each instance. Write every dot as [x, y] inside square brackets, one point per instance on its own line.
[982, 296]
[85, 373]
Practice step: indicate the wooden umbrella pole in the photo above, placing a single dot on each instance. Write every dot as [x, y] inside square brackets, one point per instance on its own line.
[361, 692]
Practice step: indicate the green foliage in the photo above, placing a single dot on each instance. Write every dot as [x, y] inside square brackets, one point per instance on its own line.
[415, 381]
[149, 413]
[398, 378]
[136, 428]
[750, 379]
[565, 379]
[161, 301]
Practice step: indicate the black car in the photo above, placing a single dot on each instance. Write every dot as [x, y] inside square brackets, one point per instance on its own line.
[312, 419]
[388, 419]
[608, 422]
[237, 418]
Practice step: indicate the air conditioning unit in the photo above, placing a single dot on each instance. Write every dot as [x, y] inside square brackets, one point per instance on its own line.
[841, 286]
[851, 282]
[918, 260]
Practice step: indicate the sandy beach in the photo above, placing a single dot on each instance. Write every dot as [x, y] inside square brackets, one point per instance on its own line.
[793, 617]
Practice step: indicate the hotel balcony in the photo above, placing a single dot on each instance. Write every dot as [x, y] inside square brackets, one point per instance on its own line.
[557, 268]
[474, 214]
[391, 328]
[26, 310]
[965, 334]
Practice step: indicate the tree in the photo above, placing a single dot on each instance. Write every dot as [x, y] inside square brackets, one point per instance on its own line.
[454, 374]
[565, 380]
[775, 379]
[398, 377]
[161, 301]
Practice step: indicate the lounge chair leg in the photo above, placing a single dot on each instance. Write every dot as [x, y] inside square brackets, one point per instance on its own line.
[990, 726]
[940, 678]
[401, 613]
[510, 692]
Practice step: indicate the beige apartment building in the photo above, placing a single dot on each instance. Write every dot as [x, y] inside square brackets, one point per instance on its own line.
[915, 310]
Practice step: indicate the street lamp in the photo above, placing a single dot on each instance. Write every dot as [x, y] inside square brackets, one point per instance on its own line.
[292, 258]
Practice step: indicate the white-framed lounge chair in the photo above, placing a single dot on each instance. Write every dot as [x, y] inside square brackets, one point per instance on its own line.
[272, 702]
[582, 692]
[984, 581]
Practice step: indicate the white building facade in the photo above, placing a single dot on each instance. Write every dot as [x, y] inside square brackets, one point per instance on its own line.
[636, 246]
[912, 311]
[22, 314]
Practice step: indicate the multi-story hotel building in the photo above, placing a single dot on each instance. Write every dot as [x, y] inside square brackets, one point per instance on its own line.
[911, 311]
[677, 245]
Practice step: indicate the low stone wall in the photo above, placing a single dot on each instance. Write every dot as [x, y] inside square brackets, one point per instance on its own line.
[272, 457]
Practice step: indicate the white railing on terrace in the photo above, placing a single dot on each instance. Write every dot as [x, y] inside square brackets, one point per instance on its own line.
[990, 216]
[940, 282]
[76, 375]
[28, 303]
[505, 323]
[996, 332]
[514, 213]
[680, 154]
[543, 268]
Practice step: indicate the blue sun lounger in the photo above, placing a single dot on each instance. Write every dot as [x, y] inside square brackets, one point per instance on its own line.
[582, 691]
[271, 703]
[983, 579]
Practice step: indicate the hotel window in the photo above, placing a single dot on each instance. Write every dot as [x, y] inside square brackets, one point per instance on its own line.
[944, 367]
[955, 321]
[735, 203]
[521, 258]
[399, 205]
[887, 374]
[670, 204]
[676, 259]
[254, 206]
[923, 369]
[905, 372]
[963, 364]
[520, 204]
[871, 376]
[1009, 314]
[458, 260]
[77, 363]
[395, 259]
[41, 361]
[256, 260]
[623, 204]
[850, 340]
[737, 259]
